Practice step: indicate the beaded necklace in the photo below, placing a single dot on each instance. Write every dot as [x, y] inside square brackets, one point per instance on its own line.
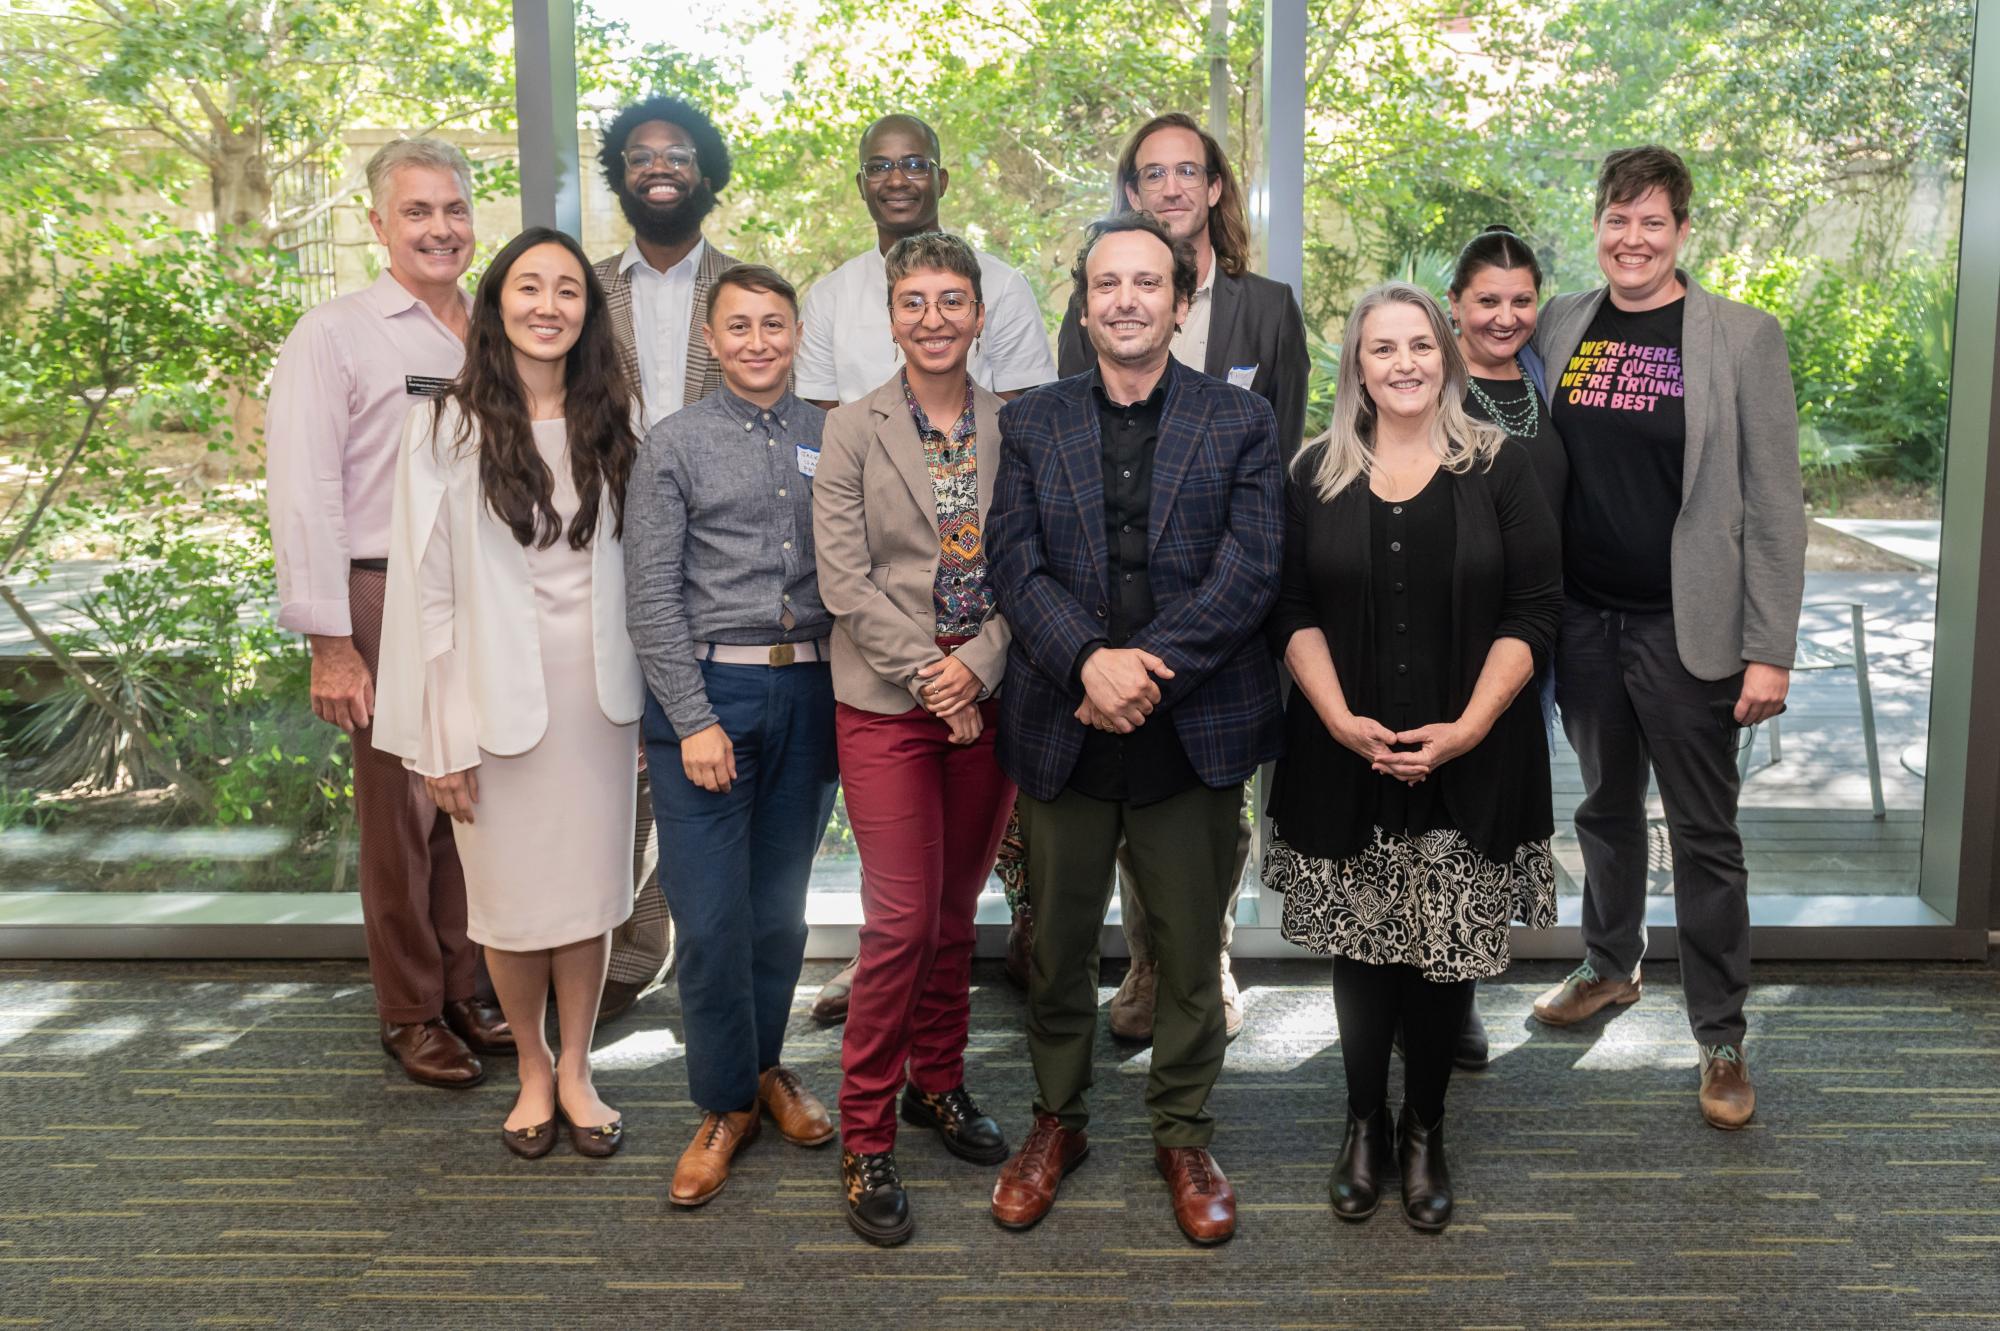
[1520, 419]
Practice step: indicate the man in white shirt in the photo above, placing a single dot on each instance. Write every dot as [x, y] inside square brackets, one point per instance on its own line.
[845, 351]
[665, 162]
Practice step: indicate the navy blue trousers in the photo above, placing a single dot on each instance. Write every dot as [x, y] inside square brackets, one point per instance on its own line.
[735, 866]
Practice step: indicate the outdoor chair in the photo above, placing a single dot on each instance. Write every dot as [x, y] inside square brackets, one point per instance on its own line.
[1814, 656]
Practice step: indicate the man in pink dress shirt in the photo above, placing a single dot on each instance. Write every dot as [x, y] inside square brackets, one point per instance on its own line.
[345, 383]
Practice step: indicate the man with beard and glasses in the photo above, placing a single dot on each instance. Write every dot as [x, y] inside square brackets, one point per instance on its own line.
[665, 161]
[846, 352]
[1137, 534]
[1242, 327]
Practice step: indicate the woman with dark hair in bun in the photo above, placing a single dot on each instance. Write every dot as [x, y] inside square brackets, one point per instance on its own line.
[1496, 290]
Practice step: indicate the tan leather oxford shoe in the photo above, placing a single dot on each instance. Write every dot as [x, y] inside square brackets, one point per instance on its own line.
[704, 1165]
[802, 1120]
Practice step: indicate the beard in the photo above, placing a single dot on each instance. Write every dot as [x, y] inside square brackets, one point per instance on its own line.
[668, 226]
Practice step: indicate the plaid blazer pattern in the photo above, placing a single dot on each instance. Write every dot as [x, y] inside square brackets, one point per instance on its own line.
[1215, 544]
[704, 376]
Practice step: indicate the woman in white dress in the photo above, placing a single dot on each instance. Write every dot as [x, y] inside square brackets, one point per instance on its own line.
[507, 679]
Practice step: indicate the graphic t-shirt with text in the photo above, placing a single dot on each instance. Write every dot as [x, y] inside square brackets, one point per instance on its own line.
[1623, 420]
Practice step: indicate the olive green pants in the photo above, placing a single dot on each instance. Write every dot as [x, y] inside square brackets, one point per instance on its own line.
[1182, 849]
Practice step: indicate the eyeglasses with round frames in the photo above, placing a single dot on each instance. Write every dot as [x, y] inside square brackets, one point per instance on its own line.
[679, 159]
[956, 306]
[1153, 176]
[913, 165]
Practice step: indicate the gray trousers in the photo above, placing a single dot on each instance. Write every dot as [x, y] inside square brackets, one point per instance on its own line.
[1630, 706]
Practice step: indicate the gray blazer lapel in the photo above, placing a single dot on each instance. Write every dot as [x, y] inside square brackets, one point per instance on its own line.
[896, 431]
[1224, 310]
[618, 302]
[1565, 333]
[1697, 376]
[704, 376]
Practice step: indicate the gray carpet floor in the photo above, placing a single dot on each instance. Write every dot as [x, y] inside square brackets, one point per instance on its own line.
[223, 1144]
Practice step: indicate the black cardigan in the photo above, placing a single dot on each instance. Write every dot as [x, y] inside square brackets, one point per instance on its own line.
[1506, 583]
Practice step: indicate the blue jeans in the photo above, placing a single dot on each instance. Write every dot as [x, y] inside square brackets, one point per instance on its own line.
[735, 866]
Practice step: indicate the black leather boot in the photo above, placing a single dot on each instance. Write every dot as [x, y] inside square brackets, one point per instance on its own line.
[1365, 1160]
[1471, 1052]
[877, 1207]
[1426, 1180]
[966, 1130]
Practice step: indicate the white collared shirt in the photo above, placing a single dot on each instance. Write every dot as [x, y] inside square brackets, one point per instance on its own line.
[662, 308]
[1191, 343]
[845, 351]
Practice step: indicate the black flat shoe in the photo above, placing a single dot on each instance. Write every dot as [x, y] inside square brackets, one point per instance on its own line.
[1426, 1180]
[1366, 1157]
[878, 1209]
[532, 1142]
[598, 1142]
[967, 1131]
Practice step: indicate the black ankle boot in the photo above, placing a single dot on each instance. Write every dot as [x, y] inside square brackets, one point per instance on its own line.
[1472, 1052]
[877, 1207]
[1365, 1160]
[966, 1130]
[1426, 1180]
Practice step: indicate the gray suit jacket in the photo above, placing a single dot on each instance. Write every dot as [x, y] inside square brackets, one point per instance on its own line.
[704, 376]
[1739, 545]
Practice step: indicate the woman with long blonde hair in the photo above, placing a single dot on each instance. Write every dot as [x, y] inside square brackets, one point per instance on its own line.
[1422, 586]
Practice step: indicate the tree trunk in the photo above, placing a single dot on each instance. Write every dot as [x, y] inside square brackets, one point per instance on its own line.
[239, 182]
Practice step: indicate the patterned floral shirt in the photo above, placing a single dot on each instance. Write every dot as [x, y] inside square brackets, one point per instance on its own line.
[961, 592]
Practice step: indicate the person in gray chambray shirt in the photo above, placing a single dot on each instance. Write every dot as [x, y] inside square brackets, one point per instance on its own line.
[723, 607]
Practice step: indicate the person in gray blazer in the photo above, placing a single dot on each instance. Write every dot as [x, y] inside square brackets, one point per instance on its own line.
[1242, 327]
[1683, 566]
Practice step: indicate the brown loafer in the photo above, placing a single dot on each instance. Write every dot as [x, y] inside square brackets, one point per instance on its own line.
[1021, 945]
[802, 1120]
[1204, 1203]
[1728, 1100]
[598, 1142]
[483, 1026]
[704, 1165]
[830, 1008]
[1027, 1185]
[618, 998]
[1583, 994]
[432, 1055]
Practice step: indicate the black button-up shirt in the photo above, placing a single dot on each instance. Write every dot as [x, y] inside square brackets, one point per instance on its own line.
[1149, 764]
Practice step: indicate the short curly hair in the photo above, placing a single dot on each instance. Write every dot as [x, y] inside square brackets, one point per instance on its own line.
[711, 152]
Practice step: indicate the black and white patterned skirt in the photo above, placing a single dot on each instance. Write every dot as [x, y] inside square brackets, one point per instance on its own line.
[1427, 900]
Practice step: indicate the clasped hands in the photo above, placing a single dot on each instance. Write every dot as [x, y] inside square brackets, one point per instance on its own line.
[1119, 688]
[949, 691]
[1436, 745]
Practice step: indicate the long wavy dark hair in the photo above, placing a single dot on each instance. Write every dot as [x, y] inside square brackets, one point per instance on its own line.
[597, 405]
[1228, 220]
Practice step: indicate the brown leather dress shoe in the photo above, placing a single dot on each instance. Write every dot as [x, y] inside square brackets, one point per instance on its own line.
[432, 1055]
[1204, 1203]
[1583, 994]
[802, 1120]
[1021, 945]
[1728, 1100]
[618, 998]
[704, 1165]
[482, 1026]
[830, 1008]
[1027, 1185]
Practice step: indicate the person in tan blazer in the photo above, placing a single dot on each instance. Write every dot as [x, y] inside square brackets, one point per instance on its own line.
[903, 482]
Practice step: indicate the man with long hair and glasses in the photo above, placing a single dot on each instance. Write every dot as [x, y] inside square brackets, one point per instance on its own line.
[1241, 327]
[847, 350]
[665, 162]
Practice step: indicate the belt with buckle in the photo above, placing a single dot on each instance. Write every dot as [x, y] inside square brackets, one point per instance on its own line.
[776, 654]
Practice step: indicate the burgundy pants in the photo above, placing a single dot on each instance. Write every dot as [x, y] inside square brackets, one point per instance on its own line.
[412, 888]
[927, 817]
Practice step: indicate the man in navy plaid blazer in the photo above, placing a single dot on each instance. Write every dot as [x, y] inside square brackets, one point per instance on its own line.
[1135, 538]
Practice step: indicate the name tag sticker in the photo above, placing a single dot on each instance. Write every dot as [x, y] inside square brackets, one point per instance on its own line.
[808, 460]
[424, 385]
[1242, 375]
